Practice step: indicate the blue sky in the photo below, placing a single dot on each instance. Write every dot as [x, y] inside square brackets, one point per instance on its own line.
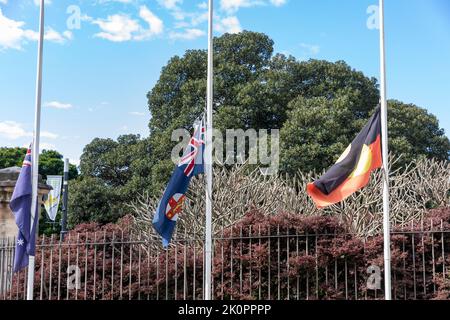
[96, 76]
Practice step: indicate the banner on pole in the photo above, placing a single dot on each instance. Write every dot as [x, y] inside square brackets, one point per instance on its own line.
[52, 202]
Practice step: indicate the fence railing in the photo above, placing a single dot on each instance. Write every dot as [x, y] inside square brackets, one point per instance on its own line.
[247, 264]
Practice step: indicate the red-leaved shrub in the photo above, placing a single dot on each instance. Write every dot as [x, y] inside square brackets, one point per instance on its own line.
[286, 256]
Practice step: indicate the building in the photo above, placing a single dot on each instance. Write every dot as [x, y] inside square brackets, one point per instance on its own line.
[8, 178]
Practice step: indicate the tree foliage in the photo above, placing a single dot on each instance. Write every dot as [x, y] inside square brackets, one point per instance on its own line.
[414, 132]
[50, 162]
[112, 173]
[12, 157]
[90, 199]
[319, 106]
[319, 129]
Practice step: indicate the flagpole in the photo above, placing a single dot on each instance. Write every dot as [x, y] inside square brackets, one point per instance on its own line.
[65, 199]
[208, 158]
[384, 133]
[35, 152]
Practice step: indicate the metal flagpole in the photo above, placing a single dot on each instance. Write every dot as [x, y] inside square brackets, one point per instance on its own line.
[208, 158]
[384, 133]
[65, 199]
[35, 154]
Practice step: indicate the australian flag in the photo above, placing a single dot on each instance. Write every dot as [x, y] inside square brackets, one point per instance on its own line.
[20, 205]
[191, 164]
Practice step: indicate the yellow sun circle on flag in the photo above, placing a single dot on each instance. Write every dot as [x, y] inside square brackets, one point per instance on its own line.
[364, 163]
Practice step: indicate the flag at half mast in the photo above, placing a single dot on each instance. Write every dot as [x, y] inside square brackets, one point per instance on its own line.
[352, 170]
[191, 165]
[20, 205]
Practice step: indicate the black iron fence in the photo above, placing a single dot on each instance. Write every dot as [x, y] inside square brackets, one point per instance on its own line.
[246, 265]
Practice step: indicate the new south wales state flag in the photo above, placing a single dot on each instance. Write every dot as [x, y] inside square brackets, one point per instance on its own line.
[352, 170]
[191, 165]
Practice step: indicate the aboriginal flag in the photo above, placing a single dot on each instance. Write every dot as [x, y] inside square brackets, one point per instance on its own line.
[352, 171]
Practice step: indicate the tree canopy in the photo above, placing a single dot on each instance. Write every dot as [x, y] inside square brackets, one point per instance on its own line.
[50, 162]
[318, 105]
[112, 174]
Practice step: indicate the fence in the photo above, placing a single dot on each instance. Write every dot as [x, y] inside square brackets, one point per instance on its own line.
[247, 264]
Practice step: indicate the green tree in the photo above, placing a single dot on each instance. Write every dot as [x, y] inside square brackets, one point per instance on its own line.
[319, 129]
[317, 132]
[50, 162]
[319, 106]
[11, 157]
[414, 133]
[91, 200]
[253, 89]
[117, 171]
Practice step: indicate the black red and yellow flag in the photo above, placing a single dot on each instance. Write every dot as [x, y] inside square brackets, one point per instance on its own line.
[352, 171]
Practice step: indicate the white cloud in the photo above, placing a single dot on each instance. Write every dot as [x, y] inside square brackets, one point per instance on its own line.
[4, 1]
[170, 4]
[46, 146]
[13, 130]
[49, 135]
[155, 24]
[13, 34]
[120, 1]
[310, 49]
[117, 28]
[196, 17]
[75, 161]
[187, 21]
[181, 24]
[46, 2]
[187, 34]
[121, 27]
[57, 105]
[42, 146]
[228, 25]
[199, 18]
[179, 14]
[203, 5]
[235, 5]
[54, 36]
[139, 114]
[68, 35]
[278, 3]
